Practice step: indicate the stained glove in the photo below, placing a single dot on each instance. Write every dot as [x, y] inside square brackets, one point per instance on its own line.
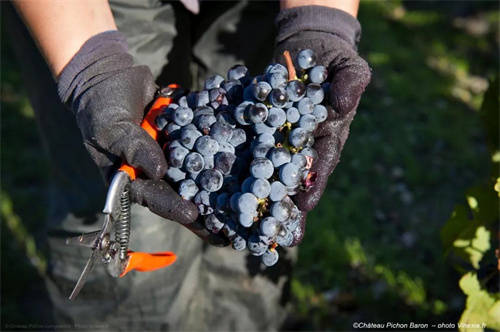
[108, 96]
[333, 36]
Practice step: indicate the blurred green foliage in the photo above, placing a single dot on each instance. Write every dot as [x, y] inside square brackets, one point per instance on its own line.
[469, 233]
[373, 245]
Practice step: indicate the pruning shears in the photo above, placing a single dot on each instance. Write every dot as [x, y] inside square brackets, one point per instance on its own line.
[114, 252]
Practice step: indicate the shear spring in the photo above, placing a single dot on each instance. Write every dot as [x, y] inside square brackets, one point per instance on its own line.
[123, 224]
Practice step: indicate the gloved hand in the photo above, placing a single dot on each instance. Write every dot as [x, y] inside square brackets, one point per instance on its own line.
[109, 97]
[333, 36]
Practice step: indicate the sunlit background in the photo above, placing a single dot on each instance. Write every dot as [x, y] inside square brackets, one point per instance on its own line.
[410, 211]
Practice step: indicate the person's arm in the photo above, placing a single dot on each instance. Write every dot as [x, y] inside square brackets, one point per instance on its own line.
[349, 6]
[61, 27]
[330, 29]
[98, 81]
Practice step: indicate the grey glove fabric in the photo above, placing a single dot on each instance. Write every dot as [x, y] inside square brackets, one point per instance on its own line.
[109, 96]
[333, 36]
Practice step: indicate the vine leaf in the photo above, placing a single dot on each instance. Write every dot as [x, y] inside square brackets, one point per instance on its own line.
[482, 309]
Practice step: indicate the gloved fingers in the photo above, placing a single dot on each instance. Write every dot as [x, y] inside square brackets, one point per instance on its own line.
[350, 76]
[161, 199]
[328, 148]
[139, 150]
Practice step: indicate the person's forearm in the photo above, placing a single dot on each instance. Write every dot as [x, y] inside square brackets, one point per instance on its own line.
[349, 6]
[61, 27]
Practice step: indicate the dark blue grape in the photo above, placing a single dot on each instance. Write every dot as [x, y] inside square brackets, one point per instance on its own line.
[176, 156]
[305, 106]
[238, 137]
[284, 238]
[246, 219]
[240, 113]
[280, 210]
[221, 132]
[206, 146]
[183, 101]
[261, 150]
[260, 188]
[239, 243]
[255, 245]
[226, 147]
[204, 122]
[261, 168]
[230, 228]
[266, 139]
[224, 161]
[213, 82]
[278, 191]
[292, 115]
[308, 122]
[315, 93]
[189, 136]
[162, 121]
[209, 162]
[276, 117]
[217, 97]
[202, 201]
[182, 116]
[299, 160]
[269, 226]
[233, 201]
[270, 257]
[172, 130]
[234, 91]
[194, 162]
[318, 74]
[320, 112]
[257, 113]
[247, 203]
[213, 223]
[188, 189]
[237, 72]
[175, 174]
[222, 202]
[306, 59]
[210, 180]
[246, 184]
[279, 156]
[298, 137]
[278, 97]
[261, 90]
[289, 174]
[295, 90]
[261, 128]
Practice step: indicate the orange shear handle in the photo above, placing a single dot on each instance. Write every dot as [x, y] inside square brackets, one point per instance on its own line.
[142, 261]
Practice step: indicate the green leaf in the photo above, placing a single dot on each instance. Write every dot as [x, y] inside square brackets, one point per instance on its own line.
[474, 249]
[481, 310]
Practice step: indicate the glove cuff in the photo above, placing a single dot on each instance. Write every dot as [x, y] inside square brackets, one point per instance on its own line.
[318, 18]
[106, 49]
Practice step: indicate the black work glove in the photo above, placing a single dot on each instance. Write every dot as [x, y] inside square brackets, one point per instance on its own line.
[333, 36]
[109, 97]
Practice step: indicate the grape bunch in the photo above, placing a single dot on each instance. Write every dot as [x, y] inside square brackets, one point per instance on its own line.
[242, 147]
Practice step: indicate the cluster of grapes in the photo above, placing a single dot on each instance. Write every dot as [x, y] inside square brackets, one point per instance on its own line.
[242, 147]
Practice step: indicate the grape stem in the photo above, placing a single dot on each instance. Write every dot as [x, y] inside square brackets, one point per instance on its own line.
[292, 74]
